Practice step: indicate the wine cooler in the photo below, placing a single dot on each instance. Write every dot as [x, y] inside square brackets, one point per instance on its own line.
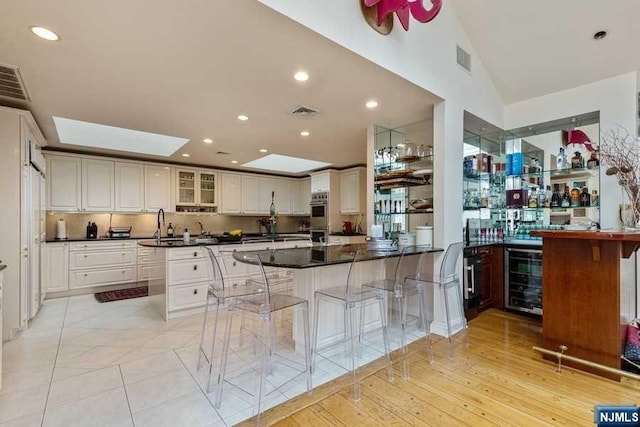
[523, 279]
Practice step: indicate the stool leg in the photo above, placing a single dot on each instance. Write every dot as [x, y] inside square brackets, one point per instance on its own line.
[464, 319]
[315, 332]
[204, 326]
[223, 360]
[425, 322]
[213, 342]
[265, 363]
[307, 344]
[351, 336]
[385, 339]
[403, 342]
[447, 311]
[361, 327]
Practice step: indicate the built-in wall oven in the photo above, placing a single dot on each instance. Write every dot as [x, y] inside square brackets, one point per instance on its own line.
[319, 223]
[523, 279]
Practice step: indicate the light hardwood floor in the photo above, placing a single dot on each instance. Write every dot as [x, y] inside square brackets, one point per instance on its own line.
[497, 380]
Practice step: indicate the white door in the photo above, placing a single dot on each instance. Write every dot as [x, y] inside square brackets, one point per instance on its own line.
[231, 193]
[129, 187]
[350, 192]
[33, 293]
[283, 196]
[250, 195]
[97, 185]
[63, 183]
[158, 188]
[266, 186]
[43, 234]
[56, 270]
[304, 197]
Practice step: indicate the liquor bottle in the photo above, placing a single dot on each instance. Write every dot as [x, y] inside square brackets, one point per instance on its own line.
[542, 197]
[593, 161]
[585, 197]
[561, 160]
[556, 200]
[170, 230]
[547, 200]
[595, 199]
[577, 162]
[533, 198]
[575, 195]
[565, 202]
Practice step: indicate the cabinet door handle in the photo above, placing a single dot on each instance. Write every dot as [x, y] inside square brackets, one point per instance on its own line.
[195, 267]
[234, 263]
[85, 274]
[195, 254]
[195, 292]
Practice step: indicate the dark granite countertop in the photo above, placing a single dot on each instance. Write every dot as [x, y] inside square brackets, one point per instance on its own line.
[2, 267]
[99, 239]
[339, 233]
[318, 256]
[179, 243]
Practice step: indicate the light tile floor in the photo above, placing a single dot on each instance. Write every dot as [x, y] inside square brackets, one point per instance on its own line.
[83, 363]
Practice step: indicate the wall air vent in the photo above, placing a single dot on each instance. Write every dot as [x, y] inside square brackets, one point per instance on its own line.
[303, 112]
[11, 84]
[463, 58]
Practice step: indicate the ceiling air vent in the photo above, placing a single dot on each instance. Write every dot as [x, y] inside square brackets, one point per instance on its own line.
[463, 58]
[303, 112]
[224, 153]
[11, 84]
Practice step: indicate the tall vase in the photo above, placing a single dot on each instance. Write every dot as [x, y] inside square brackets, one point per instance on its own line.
[629, 216]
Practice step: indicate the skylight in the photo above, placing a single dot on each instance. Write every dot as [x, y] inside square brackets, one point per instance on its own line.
[88, 134]
[278, 163]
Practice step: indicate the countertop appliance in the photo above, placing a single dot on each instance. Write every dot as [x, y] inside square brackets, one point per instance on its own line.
[523, 279]
[472, 282]
[120, 232]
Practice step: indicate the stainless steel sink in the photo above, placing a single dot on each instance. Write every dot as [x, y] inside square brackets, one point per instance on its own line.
[206, 240]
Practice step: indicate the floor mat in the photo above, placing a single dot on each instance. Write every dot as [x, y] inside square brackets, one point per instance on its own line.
[121, 294]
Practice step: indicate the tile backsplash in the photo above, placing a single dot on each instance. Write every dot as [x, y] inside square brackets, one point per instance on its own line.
[144, 225]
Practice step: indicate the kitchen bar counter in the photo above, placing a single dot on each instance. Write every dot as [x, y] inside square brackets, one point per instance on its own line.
[279, 236]
[589, 293]
[319, 256]
[179, 243]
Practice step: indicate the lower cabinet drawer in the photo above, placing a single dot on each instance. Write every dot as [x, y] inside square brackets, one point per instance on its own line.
[86, 259]
[112, 276]
[151, 271]
[230, 266]
[187, 296]
[187, 271]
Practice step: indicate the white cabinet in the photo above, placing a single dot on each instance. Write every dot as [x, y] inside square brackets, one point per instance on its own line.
[129, 188]
[231, 193]
[301, 207]
[97, 185]
[56, 267]
[158, 188]
[102, 263]
[352, 190]
[320, 182]
[284, 190]
[266, 186]
[64, 183]
[250, 195]
[196, 187]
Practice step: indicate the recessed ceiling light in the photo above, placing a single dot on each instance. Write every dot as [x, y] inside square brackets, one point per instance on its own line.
[305, 133]
[263, 150]
[243, 118]
[45, 33]
[234, 161]
[371, 104]
[208, 141]
[186, 155]
[600, 35]
[301, 76]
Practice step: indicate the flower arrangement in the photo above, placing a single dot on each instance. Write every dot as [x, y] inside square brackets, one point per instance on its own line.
[620, 153]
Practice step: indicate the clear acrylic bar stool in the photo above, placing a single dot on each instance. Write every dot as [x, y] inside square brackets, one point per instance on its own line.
[263, 306]
[220, 292]
[351, 298]
[400, 291]
[447, 281]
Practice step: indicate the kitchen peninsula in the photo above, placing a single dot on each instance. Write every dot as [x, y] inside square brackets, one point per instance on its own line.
[183, 289]
[587, 298]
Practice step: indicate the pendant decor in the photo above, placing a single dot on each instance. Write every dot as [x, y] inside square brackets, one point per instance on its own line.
[404, 9]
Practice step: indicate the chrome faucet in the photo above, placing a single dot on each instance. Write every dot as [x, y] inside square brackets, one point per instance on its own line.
[158, 229]
[201, 227]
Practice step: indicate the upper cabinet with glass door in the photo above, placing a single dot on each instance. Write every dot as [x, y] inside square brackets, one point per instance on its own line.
[403, 174]
[196, 190]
